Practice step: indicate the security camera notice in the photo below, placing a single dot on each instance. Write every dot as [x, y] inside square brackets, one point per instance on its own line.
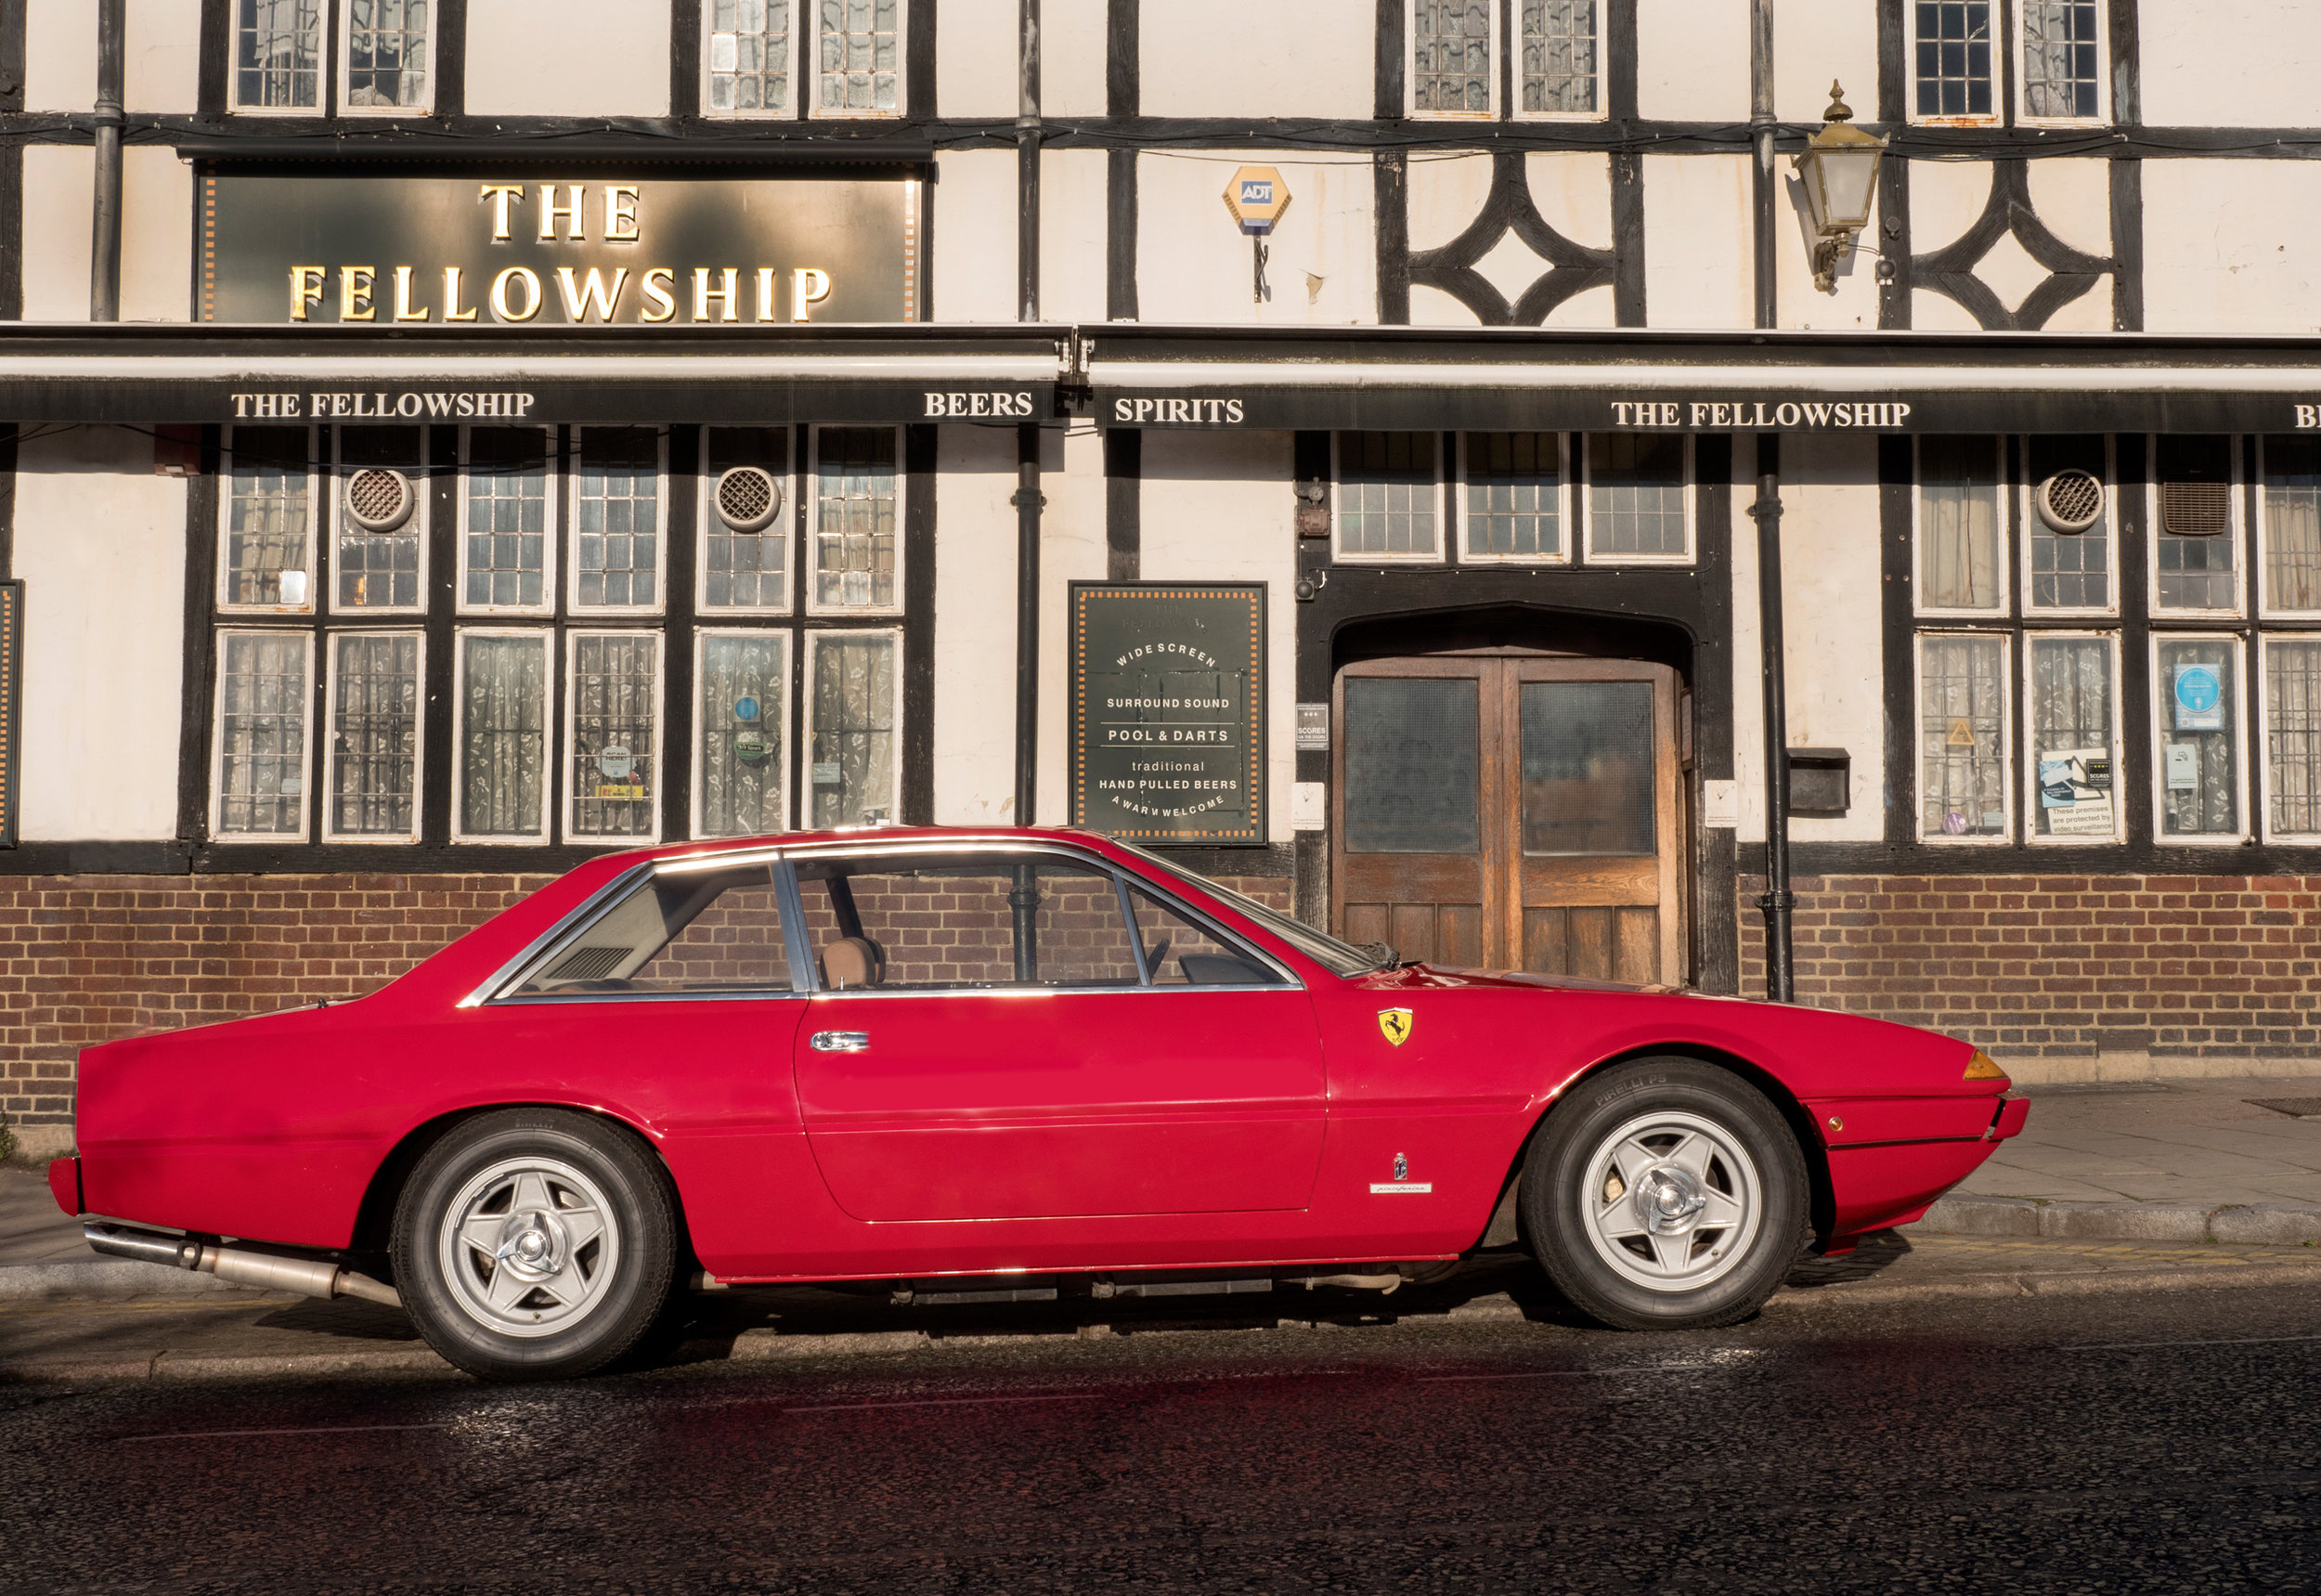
[1168, 711]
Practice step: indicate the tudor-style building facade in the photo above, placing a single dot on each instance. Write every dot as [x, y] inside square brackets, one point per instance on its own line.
[505, 399]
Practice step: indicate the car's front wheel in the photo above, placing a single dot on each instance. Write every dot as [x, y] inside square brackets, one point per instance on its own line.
[1666, 1194]
[535, 1244]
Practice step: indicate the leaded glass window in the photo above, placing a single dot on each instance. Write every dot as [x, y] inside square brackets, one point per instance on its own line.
[2069, 570]
[1636, 497]
[2292, 733]
[262, 734]
[2195, 695]
[268, 517]
[743, 714]
[2292, 524]
[374, 735]
[749, 55]
[617, 513]
[1450, 60]
[855, 511]
[744, 570]
[860, 56]
[380, 570]
[503, 735]
[387, 52]
[505, 553]
[1953, 65]
[1559, 56]
[1514, 495]
[1962, 736]
[1389, 500]
[1958, 523]
[277, 55]
[852, 769]
[2073, 761]
[614, 770]
[2062, 69]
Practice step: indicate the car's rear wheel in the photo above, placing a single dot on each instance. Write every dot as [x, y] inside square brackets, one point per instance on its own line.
[535, 1244]
[1666, 1194]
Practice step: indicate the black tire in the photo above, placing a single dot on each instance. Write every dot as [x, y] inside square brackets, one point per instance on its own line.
[592, 1177]
[1695, 1273]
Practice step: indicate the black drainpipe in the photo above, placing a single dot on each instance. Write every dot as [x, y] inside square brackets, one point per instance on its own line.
[104, 272]
[1778, 900]
[1027, 500]
[1767, 187]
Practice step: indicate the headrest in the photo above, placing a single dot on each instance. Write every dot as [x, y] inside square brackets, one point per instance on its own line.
[852, 962]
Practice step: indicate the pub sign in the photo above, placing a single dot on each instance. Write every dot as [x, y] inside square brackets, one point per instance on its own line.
[1168, 695]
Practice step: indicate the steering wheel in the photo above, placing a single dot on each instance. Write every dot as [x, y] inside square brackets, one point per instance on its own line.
[1160, 952]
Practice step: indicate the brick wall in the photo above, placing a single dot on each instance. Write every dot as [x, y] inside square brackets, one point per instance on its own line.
[2063, 967]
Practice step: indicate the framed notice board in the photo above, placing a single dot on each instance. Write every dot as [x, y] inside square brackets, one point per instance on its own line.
[1168, 711]
[11, 704]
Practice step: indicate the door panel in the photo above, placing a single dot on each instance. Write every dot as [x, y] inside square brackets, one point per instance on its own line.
[1575, 864]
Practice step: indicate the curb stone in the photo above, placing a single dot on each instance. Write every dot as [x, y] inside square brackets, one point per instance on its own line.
[2247, 1224]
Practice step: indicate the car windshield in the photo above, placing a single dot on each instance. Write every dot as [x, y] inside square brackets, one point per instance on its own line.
[1339, 958]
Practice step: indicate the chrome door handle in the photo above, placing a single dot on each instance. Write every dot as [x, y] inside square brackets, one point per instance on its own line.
[840, 1042]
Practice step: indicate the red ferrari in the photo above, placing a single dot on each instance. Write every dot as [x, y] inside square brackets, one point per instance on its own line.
[914, 1055]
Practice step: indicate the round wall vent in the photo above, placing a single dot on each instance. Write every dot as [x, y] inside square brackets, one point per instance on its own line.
[748, 498]
[2070, 502]
[379, 500]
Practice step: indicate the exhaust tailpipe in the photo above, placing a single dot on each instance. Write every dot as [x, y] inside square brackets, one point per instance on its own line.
[305, 1276]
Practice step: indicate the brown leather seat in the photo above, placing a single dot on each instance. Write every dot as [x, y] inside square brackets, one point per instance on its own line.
[852, 962]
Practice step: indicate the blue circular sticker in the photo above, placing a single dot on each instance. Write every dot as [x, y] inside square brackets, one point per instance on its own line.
[2197, 688]
[745, 709]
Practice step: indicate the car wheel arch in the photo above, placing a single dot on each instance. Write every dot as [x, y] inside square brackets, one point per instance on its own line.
[1503, 1227]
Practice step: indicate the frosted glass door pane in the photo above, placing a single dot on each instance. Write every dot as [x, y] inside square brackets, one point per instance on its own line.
[1414, 766]
[1588, 768]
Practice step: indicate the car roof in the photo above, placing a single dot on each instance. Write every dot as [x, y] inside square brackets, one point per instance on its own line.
[880, 836]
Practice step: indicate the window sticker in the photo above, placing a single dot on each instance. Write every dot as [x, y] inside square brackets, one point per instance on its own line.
[2199, 698]
[2075, 792]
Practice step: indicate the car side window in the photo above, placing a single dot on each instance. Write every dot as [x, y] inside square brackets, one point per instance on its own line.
[693, 931]
[1184, 952]
[946, 922]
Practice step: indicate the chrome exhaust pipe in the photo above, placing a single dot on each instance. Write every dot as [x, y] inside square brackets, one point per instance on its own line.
[305, 1276]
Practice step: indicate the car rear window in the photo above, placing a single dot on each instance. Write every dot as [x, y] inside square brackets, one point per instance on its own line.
[700, 931]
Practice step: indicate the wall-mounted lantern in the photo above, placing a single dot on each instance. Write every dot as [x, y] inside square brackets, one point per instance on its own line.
[1839, 169]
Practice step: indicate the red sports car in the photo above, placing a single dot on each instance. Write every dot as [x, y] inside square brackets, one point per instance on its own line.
[912, 1054]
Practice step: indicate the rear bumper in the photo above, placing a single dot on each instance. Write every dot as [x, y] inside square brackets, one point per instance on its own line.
[64, 1184]
[2009, 1119]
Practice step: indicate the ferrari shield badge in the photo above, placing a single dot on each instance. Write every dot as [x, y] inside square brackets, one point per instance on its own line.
[1395, 1023]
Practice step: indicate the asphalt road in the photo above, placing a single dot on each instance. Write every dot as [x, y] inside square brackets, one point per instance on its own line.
[2115, 1443]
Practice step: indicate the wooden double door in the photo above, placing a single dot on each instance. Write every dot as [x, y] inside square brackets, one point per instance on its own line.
[1511, 812]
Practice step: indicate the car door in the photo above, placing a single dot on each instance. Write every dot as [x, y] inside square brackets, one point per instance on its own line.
[996, 1037]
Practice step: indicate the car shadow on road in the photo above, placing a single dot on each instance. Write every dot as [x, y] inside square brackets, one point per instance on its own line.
[1879, 1251]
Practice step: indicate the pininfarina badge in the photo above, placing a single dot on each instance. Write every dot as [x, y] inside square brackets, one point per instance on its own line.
[1402, 1185]
[1395, 1023]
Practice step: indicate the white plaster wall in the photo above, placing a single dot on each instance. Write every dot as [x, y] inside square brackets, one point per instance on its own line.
[2073, 198]
[608, 58]
[1852, 301]
[156, 235]
[1572, 190]
[2229, 63]
[975, 58]
[975, 626]
[1697, 255]
[100, 546]
[1831, 578]
[60, 54]
[57, 200]
[1814, 41]
[1073, 58]
[1072, 550]
[1283, 58]
[1074, 234]
[974, 269]
[1216, 507]
[1945, 198]
[1193, 262]
[1447, 190]
[1693, 59]
[161, 64]
[2215, 246]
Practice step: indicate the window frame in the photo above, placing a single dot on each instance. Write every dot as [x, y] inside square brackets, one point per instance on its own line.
[325, 84]
[795, 111]
[2264, 663]
[1512, 45]
[1563, 495]
[2003, 59]
[225, 527]
[217, 805]
[1444, 530]
[785, 527]
[2236, 642]
[2028, 776]
[2002, 561]
[2018, 98]
[331, 638]
[810, 79]
[810, 554]
[2153, 532]
[576, 457]
[342, 74]
[549, 752]
[1499, 64]
[802, 798]
[565, 752]
[552, 522]
[420, 524]
[1586, 543]
[778, 756]
[2026, 513]
[2259, 546]
[2006, 835]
